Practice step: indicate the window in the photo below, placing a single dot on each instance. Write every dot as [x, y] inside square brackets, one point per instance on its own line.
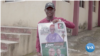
[81, 3]
[94, 6]
[67, 1]
[13, 0]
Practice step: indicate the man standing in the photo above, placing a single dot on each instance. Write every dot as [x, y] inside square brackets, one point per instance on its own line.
[59, 53]
[50, 10]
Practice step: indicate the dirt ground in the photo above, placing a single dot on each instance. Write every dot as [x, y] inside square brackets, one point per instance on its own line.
[76, 44]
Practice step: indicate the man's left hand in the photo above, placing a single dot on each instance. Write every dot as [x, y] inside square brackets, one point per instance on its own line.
[55, 20]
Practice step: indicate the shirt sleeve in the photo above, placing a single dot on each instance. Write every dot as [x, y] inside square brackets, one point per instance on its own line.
[68, 24]
[37, 42]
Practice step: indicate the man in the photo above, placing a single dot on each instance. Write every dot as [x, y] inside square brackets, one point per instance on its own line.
[59, 53]
[51, 52]
[53, 37]
[50, 10]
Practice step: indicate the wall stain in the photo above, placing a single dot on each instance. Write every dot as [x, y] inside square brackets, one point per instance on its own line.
[83, 27]
[20, 23]
[68, 30]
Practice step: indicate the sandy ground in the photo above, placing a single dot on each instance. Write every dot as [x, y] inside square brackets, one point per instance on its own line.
[76, 44]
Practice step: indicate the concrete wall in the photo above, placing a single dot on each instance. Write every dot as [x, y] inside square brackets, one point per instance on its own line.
[95, 16]
[27, 13]
[30, 13]
[83, 17]
[83, 13]
[65, 10]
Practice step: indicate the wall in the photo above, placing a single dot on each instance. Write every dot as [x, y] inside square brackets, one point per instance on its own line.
[83, 17]
[95, 16]
[64, 9]
[27, 13]
[30, 13]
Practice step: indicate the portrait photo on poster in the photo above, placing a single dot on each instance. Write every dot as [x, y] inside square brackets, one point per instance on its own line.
[51, 36]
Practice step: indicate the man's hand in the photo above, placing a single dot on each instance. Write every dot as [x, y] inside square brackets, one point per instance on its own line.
[39, 54]
[55, 20]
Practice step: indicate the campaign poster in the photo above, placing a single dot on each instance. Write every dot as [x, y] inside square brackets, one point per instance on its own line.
[53, 49]
[53, 39]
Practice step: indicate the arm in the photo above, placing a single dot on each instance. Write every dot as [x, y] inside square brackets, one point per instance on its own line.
[68, 24]
[37, 42]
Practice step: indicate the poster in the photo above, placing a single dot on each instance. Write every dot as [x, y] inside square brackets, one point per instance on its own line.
[53, 39]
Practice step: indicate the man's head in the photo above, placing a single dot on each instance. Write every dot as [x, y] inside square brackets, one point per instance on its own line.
[49, 9]
[51, 52]
[58, 51]
[52, 28]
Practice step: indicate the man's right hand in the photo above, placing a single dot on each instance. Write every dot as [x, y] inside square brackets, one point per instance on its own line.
[39, 54]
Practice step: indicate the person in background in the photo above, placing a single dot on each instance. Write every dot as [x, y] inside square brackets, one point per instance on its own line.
[50, 10]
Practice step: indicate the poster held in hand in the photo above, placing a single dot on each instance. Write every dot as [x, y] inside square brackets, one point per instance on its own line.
[53, 39]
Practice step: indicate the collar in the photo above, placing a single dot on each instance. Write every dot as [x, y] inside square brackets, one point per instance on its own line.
[50, 19]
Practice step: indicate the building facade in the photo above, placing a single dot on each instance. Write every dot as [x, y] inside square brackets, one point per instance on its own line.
[84, 14]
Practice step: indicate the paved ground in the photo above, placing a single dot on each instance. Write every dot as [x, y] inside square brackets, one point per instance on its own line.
[76, 44]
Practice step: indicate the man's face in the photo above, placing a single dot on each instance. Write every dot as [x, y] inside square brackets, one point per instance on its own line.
[51, 52]
[52, 29]
[58, 51]
[49, 11]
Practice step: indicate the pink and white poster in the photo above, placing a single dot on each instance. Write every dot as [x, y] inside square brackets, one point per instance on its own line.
[53, 39]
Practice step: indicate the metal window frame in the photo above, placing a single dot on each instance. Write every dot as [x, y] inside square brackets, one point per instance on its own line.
[81, 2]
[67, 1]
